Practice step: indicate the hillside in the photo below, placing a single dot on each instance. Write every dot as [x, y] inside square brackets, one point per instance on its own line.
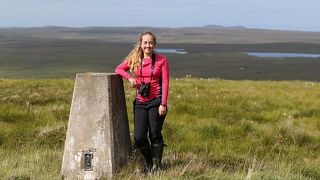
[217, 52]
[193, 35]
[215, 129]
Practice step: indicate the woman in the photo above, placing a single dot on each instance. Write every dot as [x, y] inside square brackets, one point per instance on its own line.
[151, 80]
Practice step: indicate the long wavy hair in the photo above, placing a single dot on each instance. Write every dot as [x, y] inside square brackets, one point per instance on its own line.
[135, 56]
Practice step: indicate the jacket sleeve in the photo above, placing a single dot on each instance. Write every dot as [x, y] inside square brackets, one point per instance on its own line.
[122, 69]
[165, 81]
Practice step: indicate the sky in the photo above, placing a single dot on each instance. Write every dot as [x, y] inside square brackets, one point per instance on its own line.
[301, 15]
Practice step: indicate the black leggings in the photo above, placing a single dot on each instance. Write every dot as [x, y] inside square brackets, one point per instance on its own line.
[147, 120]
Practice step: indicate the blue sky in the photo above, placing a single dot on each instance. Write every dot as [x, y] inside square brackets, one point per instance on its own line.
[268, 14]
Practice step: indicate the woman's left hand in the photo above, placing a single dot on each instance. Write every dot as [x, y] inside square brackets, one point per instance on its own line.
[162, 110]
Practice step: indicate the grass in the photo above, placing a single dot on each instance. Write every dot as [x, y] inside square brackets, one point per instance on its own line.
[215, 129]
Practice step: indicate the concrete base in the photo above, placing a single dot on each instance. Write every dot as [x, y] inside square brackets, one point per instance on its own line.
[98, 139]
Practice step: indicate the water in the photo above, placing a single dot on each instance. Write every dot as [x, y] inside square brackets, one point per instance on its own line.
[284, 55]
[171, 50]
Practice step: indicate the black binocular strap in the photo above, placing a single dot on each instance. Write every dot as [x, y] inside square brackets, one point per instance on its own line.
[152, 66]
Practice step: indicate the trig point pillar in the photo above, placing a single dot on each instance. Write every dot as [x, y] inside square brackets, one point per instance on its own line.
[98, 140]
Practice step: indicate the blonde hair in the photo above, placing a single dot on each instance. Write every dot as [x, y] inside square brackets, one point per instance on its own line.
[135, 56]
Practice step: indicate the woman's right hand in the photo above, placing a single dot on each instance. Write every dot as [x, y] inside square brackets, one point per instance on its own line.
[133, 82]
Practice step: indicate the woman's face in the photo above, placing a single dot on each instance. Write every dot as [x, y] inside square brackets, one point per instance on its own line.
[147, 44]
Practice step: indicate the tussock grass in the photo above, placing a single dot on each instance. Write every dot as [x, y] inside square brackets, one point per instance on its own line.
[215, 129]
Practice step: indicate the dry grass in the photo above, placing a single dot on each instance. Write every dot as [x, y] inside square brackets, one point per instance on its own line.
[215, 129]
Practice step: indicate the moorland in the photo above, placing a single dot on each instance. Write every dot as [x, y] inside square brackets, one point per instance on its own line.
[231, 116]
[52, 52]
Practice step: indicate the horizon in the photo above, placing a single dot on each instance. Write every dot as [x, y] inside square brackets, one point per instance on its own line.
[292, 15]
[211, 26]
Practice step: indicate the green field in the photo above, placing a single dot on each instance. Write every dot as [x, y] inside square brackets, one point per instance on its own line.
[231, 116]
[215, 129]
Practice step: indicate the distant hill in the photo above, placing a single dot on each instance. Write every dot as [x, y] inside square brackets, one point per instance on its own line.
[210, 34]
[219, 26]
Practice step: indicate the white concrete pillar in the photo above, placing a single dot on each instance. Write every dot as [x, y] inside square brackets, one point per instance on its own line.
[98, 139]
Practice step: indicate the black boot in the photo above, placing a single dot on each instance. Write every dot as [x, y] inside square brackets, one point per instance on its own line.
[157, 150]
[146, 153]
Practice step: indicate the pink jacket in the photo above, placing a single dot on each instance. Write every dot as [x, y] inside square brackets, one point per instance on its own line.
[160, 74]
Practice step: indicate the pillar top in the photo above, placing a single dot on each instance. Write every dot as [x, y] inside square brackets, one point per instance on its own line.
[96, 74]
